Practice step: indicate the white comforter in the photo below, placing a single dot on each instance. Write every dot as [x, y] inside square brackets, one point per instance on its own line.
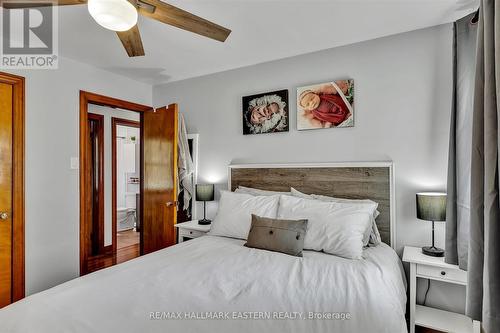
[219, 277]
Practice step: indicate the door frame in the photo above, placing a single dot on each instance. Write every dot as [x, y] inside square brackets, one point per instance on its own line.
[18, 241]
[100, 178]
[87, 98]
[115, 121]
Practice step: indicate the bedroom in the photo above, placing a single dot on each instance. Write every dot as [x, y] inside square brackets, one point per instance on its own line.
[400, 58]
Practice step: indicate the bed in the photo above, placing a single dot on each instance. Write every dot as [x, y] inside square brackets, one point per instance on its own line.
[215, 284]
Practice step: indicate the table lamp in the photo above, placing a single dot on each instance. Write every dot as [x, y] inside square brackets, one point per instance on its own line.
[431, 206]
[204, 192]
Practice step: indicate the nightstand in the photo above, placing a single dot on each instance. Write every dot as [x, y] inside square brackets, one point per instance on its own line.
[190, 230]
[434, 268]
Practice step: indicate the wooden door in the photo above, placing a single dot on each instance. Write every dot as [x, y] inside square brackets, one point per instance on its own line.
[11, 188]
[96, 168]
[5, 193]
[159, 131]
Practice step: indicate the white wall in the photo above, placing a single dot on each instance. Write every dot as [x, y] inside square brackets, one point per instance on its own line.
[52, 201]
[109, 113]
[403, 86]
[126, 192]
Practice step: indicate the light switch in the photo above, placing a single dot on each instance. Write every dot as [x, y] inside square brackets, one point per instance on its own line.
[75, 163]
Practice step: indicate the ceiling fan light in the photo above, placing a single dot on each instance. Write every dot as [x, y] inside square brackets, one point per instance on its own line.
[116, 15]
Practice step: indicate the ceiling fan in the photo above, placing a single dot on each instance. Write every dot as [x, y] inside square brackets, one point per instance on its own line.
[121, 16]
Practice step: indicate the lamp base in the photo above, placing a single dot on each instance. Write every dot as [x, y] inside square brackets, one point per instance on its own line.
[204, 222]
[433, 251]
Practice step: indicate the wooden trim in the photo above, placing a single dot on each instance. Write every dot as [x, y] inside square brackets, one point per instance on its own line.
[115, 122]
[87, 98]
[391, 211]
[100, 178]
[83, 183]
[141, 186]
[18, 216]
[175, 166]
[102, 100]
[126, 122]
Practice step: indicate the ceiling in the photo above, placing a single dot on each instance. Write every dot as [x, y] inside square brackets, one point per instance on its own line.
[261, 31]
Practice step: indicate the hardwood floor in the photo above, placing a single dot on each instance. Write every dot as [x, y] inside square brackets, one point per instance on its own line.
[127, 248]
[126, 238]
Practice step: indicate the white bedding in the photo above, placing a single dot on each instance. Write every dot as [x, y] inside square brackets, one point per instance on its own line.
[216, 274]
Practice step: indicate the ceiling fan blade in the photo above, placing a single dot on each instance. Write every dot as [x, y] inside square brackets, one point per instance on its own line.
[39, 3]
[131, 40]
[182, 19]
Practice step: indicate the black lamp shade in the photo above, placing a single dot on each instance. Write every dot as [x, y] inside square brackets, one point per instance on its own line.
[431, 206]
[204, 192]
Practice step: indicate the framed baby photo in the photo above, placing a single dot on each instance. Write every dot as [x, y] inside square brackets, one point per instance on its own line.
[326, 105]
[266, 113]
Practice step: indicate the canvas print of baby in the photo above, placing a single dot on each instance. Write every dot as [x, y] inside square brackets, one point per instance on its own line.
[326, 105]
[265, 113]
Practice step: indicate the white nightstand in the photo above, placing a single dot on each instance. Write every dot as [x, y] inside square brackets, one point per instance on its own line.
[190, 230]
[434, 268]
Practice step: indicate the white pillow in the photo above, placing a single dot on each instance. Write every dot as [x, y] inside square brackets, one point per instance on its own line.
[298, 194]
[374, 236]
[343, 200]
[234, 215]
[334, 228]
[256, 191]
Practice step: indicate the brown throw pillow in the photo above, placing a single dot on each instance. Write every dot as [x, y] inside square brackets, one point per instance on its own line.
[285, 236]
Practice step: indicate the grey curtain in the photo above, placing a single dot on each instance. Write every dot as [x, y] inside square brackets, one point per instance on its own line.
[459, 158]
[483, 291]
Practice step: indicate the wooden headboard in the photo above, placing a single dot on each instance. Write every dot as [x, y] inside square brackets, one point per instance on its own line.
[359, 180]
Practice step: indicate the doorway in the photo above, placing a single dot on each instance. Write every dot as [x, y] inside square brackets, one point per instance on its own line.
[185, 214]
[114, 168]
[143, 220]
[11, 188]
